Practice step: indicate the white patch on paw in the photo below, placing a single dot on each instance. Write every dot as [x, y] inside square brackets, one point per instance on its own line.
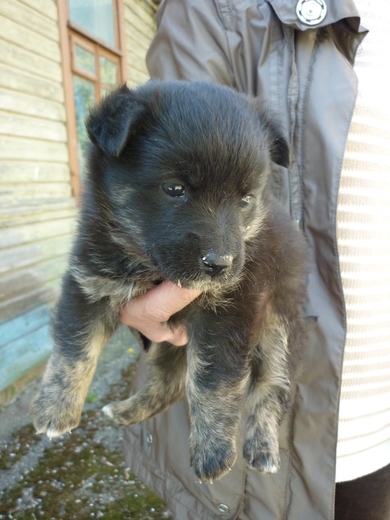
[53, 433]
[107, 410]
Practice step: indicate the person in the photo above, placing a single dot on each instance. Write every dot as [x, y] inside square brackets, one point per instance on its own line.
[299, 56]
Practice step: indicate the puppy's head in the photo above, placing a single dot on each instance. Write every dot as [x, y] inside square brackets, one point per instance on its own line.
[183, 168]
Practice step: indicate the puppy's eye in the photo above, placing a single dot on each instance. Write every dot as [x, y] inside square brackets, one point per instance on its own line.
[174, 190]
[245, 201]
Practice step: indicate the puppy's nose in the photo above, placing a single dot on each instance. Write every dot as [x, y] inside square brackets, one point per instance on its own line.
[213, 264]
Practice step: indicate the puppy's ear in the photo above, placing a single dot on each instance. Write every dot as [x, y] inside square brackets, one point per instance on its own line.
[280, 153]
[109, 123]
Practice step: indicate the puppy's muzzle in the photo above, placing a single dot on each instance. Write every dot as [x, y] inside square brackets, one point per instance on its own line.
[213, 264]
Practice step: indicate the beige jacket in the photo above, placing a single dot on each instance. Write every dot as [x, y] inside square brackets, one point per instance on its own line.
[305, 74]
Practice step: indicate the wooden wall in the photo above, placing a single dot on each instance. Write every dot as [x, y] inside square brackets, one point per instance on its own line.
[33, 145]
[140, 28]
[37, 212]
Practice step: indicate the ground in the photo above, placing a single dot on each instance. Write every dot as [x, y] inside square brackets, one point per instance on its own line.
[80, 475]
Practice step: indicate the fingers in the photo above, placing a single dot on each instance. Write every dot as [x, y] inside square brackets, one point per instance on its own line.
[161, 302]
[158, 332]
[149, 312]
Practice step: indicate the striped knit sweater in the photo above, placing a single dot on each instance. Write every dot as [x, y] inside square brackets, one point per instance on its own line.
[363, 233]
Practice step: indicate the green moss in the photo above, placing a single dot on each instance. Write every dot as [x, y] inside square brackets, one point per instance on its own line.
[17, 447]
[92, 397]
[78, 476]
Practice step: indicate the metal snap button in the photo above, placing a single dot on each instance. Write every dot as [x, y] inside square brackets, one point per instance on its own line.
[311, 12]
[223, 508]
[149, 438]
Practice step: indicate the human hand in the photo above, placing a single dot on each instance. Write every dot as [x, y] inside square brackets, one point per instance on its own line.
[149, 312]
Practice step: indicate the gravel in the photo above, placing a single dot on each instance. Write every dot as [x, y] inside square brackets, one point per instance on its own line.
[80, 475]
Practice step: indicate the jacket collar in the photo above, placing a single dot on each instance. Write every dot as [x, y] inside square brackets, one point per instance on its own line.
[335, 12]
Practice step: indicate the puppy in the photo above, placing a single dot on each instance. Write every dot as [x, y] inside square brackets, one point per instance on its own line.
[178, 189]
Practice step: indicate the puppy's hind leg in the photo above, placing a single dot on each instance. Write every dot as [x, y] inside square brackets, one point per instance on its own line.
[270, 390]
[216, 382]
[164, 387]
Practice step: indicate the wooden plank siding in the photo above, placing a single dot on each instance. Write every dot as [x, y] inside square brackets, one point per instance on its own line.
[37, 211]
[24, 344]
[140, 28]
[38, 215]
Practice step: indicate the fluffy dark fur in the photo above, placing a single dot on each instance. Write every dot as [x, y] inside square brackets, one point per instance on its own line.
[178, 189]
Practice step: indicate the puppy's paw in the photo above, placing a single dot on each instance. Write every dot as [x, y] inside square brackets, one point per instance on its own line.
[125, 412]
[212, 459]
[261, 451]
[55, 413]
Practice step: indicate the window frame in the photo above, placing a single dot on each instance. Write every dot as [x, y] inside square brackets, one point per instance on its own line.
[70, 34]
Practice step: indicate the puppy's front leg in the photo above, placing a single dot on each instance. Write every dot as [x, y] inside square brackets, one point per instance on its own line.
[80, 330]
[217, 377]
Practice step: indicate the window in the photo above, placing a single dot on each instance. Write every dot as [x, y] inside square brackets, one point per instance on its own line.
[92, 41]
